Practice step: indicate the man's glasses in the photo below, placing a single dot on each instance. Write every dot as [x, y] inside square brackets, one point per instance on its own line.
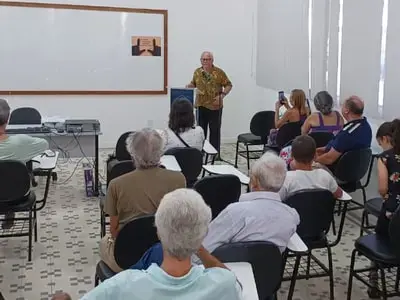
[206, 59]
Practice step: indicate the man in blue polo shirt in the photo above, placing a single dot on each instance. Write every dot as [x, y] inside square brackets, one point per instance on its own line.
[355, 135]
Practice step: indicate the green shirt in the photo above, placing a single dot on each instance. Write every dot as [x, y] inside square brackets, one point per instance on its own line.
[22, 147]
[209, 86]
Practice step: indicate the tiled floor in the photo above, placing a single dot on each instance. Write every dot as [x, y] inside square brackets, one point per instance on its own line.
[65, 256]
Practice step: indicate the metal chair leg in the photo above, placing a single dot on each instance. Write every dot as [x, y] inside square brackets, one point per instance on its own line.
[352, 262]
[331, 282]
[294, 277]
[35, 226]
[30, 236]
[308, 265]
[237, 154]
[362, 222]
[383, 281]
[247, 157]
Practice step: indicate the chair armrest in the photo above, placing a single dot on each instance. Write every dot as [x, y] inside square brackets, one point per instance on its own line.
[209, 149]
[345, 197]
[296, 244]
[46, 163]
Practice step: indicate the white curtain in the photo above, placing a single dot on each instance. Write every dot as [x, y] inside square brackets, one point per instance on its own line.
[282, 44]
[391, 100]
[333, 47]
[320, 25]
[361, 52]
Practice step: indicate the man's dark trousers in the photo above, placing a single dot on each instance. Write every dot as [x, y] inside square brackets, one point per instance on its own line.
[211, 118]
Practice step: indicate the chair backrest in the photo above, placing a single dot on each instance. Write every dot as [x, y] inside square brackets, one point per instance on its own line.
[190, 160]
[120, 168]
[15, 181]
[288, 132]
[321, 138]
[262, 122]
[218, 191]
[353, 165]
[133, 240]
[394, 232]
[266, 261]
[120, 149]
[25, 115]
[315, 208]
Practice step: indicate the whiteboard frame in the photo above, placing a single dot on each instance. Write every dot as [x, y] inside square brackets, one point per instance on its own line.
[162, 12]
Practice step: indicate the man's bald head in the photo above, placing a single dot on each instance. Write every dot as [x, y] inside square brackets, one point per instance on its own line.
[354, 105]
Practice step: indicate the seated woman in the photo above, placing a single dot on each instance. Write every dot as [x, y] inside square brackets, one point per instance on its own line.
[139, 192]
[181, 131]
[388, 137]
[325, 120]
[182, 221]
[297, 111]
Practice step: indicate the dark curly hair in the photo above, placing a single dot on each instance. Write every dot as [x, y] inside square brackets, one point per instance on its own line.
[181, 116]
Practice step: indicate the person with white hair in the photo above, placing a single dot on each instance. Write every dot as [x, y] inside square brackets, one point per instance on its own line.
[259, 215]
[20, 147]
[212, 85]
[182, 221]
[139, 192]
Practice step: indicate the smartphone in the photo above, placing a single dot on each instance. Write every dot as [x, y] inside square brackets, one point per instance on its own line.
[281, 96]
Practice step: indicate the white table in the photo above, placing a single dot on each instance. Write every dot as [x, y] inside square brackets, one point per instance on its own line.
[244, 273]
[345, 197]
[44, 162]
[170, 163]
[209, 149]
[227, 170]
[296, 244]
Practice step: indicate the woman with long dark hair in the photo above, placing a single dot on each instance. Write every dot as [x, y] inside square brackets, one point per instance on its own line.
[181, 131]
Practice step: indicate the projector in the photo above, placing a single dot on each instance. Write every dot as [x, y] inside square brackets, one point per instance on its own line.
[82, 125]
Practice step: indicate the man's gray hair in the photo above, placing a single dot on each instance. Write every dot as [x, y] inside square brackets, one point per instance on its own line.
[270, 171]
[207, 52]
[182, 221]
[4, 112]
[145, 147]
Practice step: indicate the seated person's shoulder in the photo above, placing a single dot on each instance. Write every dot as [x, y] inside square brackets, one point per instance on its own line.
[220, 275]
[171, 176]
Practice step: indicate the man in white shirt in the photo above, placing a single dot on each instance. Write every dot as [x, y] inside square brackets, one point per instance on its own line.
[304, 176]
[259, 215]
[17, 147]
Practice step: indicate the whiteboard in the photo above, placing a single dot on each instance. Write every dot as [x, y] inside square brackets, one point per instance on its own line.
[76, 49]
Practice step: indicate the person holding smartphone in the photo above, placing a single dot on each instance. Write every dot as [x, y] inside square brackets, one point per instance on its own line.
[295, 112]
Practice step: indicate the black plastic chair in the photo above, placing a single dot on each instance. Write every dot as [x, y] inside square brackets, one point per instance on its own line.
[384, 252]
[260, 125]
[119, 168]
[16, 196]
[313, 231]
[120, 154]
[350, 169]
[266, 261]
[190, 160]
[286, 134]
[321, 138]
[218, 191]
[132, 241]
[372, 207]
[25, 116]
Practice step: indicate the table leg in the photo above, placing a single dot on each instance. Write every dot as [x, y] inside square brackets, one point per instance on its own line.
[96, 166]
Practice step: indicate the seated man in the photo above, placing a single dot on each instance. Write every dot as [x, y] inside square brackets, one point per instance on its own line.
[139, 192]
[355, 135]
[304, 176]
[182, 221]
[20, 147]
[259, 215]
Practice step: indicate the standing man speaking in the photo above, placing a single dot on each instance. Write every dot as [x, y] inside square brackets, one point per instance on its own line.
[212, 87]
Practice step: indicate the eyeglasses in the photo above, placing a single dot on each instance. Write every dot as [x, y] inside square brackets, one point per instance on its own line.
[206, 59]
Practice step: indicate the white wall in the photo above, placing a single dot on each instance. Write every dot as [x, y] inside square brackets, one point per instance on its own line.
[224, 27]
